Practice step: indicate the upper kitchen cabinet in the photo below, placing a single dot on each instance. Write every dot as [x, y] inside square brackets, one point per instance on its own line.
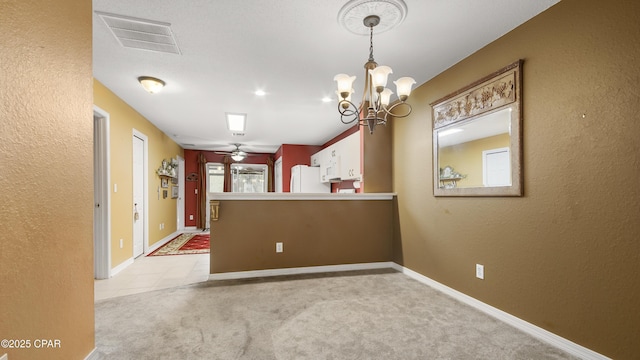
[349, 152]
[340, 161]
[329, 164]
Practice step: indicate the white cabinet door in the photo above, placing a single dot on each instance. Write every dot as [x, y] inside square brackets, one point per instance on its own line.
[316, 159]
[349, 149]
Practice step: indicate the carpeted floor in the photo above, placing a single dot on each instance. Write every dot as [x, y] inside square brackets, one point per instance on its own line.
[356, 315]
[183, 244]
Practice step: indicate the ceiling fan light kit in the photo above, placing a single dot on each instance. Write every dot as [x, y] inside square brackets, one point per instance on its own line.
[374, 108]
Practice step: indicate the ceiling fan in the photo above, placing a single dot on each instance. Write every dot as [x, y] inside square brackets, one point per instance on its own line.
[236, 154]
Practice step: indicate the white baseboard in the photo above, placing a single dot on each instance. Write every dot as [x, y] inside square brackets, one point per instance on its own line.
[191, 228]
[4, 357]
[533, 330]
[93, 355]
[121, 266]
[163, 241]
[298, 270]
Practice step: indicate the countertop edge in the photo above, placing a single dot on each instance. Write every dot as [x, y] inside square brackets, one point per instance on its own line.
[301, 196]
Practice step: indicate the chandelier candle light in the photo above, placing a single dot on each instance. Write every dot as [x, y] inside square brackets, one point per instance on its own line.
[376, 96]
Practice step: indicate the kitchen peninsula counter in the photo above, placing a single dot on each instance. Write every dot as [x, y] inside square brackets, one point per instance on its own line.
[314, 229]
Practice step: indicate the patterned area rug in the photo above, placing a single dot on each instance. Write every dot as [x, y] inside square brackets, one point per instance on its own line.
[187, 243]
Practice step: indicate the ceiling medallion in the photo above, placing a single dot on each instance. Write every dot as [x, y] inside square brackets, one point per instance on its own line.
[390, 12]
[375, 106]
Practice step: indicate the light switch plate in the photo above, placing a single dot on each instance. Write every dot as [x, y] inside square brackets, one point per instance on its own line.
[279, 248]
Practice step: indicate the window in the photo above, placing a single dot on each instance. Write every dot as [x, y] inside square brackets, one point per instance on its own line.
[249, 178]
[215, 181]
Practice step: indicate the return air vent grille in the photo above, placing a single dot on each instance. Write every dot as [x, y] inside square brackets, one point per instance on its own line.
[140, 33]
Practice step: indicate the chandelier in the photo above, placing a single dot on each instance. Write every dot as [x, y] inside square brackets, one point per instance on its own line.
[374, 107]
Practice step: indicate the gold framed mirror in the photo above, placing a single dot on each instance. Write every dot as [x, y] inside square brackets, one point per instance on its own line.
[477, 137]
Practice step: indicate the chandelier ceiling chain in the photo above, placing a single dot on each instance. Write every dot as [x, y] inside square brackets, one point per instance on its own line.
[375, 96]
[371, 44]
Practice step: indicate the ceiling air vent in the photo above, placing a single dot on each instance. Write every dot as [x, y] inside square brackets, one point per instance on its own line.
[140, 33]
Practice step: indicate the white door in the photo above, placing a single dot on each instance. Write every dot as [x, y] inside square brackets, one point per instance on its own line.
[138, 196]
[496, 167]
[101, 216]
[277, 175]
[180, 202]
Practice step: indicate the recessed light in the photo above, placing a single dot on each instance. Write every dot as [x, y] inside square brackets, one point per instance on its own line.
[326, 99]
[260, 93]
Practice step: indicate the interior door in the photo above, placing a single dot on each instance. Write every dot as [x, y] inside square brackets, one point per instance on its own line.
[497, 167]
[180, 202]
[138, 196]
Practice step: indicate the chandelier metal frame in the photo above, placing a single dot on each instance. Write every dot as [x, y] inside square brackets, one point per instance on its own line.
[375, 96]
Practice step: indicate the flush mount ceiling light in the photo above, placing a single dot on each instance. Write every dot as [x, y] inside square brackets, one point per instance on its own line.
[375, 97]
[236, 123]
[151, 84]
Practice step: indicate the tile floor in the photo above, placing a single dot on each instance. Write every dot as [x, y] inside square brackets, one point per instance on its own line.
[154, 273]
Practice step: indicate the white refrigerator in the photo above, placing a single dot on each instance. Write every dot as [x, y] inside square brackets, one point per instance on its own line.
[306, 179]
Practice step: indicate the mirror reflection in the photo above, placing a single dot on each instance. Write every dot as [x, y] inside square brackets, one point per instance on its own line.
[476, 153]
[477, 137]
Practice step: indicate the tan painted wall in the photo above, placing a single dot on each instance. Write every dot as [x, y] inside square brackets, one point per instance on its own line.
[466, 158]
[313, 233]
[123, 119]
[376, 159]
[46, 162]
[566, 256]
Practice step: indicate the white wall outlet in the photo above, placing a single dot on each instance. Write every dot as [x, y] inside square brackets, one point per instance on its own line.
[279, 248]
[115, 187]
[196, 191]
[480, 271]
[190, 217]
[121, 243]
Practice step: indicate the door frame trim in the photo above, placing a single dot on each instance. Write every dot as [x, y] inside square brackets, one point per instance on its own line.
[102, 193]
[145, 191]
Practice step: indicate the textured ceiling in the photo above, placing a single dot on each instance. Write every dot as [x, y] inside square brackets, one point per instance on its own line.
[291, 49]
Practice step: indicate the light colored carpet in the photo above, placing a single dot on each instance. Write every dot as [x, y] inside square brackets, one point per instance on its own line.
[356, 315]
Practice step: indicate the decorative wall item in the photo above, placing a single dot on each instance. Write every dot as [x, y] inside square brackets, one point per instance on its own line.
[164, 183]
[479, 129]
[174, 192]
[168, 168]
[192, 177]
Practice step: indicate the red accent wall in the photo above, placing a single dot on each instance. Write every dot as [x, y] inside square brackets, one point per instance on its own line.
[294, 155]
[191, 166]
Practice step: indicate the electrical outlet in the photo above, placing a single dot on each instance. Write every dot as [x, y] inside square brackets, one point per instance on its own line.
[115, 188]
[279, 248]
[121, 243]
[190, 217]
[480, 271]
